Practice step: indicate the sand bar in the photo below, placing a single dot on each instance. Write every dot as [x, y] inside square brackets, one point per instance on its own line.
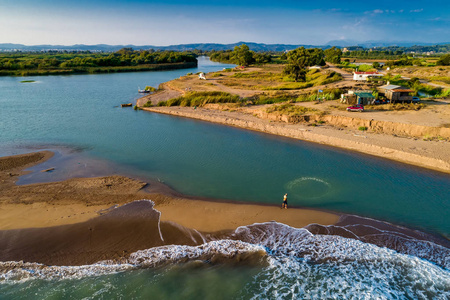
[71, 222]
[428, 154]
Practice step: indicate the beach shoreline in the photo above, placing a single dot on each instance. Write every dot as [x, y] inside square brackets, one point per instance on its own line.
[433, 155]
[82, 221]
[65, 209]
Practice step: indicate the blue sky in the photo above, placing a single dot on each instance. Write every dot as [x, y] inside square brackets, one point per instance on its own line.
[163, 23]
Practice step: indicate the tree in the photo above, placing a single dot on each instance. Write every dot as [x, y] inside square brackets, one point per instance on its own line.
[376, 65]
[444, 60]
[298, 60]
[262, 58]
[242, 55]
[316, 57]
[333, 55]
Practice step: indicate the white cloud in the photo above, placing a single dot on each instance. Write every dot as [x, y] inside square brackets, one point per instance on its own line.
[375, 11]
[416, 10]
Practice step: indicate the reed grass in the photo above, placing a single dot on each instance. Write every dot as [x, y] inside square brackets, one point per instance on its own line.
[201, 98]
[290, 109]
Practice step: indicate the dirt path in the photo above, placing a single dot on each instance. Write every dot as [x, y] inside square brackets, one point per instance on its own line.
[345, 75]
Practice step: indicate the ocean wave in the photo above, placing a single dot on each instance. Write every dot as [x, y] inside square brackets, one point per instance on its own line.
[294, 262]
[214, 252]
[306, 265]
[370, 259]
[339, 242]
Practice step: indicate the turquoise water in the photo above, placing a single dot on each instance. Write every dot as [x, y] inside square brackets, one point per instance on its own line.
[79, 118]
[202, 159]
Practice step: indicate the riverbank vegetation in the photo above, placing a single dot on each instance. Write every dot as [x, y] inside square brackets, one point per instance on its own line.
[241, 55]
[200, 99]
[124, 60]
[394, 52]
[290, 109]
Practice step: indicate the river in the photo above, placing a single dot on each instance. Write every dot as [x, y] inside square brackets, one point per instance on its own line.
[79, 117]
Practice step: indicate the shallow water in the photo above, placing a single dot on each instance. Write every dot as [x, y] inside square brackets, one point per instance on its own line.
[203, 159]
[78, 116]
[261, 261]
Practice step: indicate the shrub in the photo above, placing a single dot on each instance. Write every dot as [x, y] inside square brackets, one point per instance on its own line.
[270, 99]
[290, 109]
[201, 98]
[328, 94]
[150, 88]
[365, 68]
[362, 128]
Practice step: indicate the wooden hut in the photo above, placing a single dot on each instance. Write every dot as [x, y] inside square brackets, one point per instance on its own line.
[396, 93]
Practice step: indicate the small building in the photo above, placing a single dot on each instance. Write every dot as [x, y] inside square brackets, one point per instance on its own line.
[358, 97]
[365, 75]
[396, 93]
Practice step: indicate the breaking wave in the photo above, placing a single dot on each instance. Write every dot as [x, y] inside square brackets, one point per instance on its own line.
[366, 258]
[214, 252]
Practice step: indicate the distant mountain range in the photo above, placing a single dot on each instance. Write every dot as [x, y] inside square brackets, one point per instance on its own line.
[372, 44]
[209, 46]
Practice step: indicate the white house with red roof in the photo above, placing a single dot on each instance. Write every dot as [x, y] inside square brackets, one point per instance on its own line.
[365, 75]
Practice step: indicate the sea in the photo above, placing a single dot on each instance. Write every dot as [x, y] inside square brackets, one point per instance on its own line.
[80, 119]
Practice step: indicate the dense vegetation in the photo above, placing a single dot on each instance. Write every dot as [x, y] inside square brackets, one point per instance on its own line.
[393, 52]
[200, 99]
[444, 60]
[333, 55]
[241, 55]
[125, 59]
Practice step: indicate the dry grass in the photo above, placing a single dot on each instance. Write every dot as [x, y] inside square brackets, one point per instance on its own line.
[396, 107]
[439, 73]
[290, 109]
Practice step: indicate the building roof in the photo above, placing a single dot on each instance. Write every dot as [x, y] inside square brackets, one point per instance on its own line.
[389, 87]
[364, 95]
[366, 73]
[403, 90]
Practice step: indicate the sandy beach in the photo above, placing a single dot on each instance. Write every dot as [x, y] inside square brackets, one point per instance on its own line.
[65, 215]
[428, 154]
[418, 137]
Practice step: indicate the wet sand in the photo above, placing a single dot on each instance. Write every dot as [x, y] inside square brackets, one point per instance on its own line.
[75, 221]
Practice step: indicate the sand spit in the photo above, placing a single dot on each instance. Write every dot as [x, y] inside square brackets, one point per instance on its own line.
[428, 154]
[77, 221]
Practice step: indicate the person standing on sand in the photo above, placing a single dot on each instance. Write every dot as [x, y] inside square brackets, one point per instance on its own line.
[284, 205]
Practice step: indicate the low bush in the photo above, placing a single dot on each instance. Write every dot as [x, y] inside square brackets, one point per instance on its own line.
[270, 99]
[327, 94]
[397, 106]
[290, 109]
[201, 98]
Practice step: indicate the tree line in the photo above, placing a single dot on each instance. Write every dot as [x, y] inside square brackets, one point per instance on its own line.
[296, 60]
[240, 55]
[123, 57]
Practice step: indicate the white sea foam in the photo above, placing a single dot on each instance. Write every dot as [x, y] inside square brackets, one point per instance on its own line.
[303, 265]
[155, 257]
[11, 271]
